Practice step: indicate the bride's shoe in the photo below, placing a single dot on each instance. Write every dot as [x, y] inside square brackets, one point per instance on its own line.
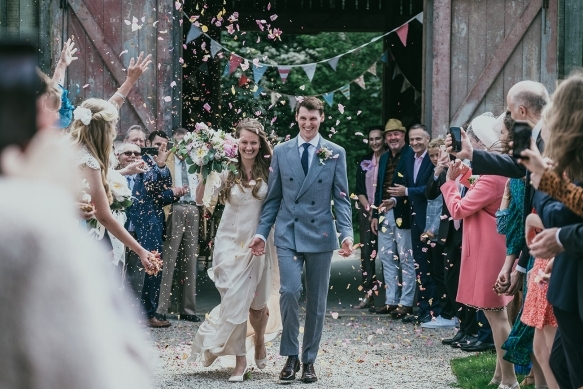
[238, 378]
[262, 363]
[515, 386]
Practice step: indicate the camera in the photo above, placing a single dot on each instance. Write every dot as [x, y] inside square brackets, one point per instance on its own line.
[456, 138]
[153, 151]
[522, 133]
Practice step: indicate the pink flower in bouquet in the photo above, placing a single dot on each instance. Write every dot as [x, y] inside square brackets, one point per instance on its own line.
[230, 147]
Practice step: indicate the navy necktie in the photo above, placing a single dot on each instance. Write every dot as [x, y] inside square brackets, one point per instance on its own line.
[305, 158]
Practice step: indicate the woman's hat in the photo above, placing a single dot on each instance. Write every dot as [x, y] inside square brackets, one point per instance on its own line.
[482, 128]
[394, 125]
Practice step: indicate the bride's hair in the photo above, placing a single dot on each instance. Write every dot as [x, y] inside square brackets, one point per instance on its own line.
[98, 135]
[260, 169]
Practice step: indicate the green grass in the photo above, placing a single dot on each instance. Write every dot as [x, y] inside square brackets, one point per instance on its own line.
[475, 371]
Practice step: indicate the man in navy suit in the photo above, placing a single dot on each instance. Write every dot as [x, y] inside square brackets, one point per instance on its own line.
[152, 191]
[418, 169]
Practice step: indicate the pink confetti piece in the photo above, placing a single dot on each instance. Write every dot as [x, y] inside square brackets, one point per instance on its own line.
[268, 6]
[273, 17]
[207, 107]
[341, 108]
[173, 84]
[85, 86]
[342, 194]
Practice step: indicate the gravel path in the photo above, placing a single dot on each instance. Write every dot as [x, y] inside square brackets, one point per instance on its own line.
[356, 352]
[358, 349]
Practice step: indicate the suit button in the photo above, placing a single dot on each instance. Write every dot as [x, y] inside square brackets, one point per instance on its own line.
[296, 201]
[313, 202]
[319, 180]
[312, 220]
[296, 219]
[291, 179]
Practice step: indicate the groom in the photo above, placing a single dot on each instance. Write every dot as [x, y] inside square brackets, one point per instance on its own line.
[307, 173]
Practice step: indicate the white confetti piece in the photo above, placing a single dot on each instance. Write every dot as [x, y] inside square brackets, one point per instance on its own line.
[167, 99]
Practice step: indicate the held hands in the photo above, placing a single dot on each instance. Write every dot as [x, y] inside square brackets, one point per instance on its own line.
[257, 246]
[137, 67]
[516, 279]
[467, 151]
[503, 281]
[346, 249]
[374, 225]
[179, 191]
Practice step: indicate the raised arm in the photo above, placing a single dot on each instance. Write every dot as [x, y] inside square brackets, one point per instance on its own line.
[486, 191]
[135, 69]
[65, 60]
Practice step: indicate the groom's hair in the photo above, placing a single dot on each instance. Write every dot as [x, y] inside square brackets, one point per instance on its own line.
[311, 103]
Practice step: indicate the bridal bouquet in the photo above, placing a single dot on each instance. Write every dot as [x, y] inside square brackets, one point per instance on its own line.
[122, 195]
[208, 152]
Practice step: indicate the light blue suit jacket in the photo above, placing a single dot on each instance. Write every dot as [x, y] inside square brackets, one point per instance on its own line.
[301, 206]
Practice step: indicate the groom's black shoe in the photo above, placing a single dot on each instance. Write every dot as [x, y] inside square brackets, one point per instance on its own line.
[308, 373]
[292, 366]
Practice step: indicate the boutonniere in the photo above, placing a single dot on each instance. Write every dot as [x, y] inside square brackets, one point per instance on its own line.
[473, 179]
[323, 154]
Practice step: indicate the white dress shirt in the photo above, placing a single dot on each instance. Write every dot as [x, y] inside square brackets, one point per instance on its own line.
[311, 150]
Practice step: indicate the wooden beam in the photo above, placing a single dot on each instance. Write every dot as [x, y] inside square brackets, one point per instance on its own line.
[549, 45]
[496, 63]
[111, 60]
[441, 65]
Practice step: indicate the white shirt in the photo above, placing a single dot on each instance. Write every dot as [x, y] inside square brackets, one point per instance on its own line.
[536, 130]
[311, 150]
[192, 180]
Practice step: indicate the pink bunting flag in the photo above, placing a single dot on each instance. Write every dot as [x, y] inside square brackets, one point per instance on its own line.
[403, 32]
[234, 62]
[360, 82]
[283, 72]
[373, 69]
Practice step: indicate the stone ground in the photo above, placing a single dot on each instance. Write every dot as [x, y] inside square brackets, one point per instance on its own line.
[358, 349]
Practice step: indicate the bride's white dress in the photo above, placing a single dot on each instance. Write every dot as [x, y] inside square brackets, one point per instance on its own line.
[243, 280]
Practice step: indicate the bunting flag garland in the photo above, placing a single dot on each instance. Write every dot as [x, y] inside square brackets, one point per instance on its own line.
[292, 102]
[419, 17]
[227, 67]
[406, 85]
[234, 62]
[258, 91]
[373, 69]
[243, 80]
[193, 33]
[360, 82]
[345, 90]
[310, 69]
[334, 62]
[385, 57]
[328, 97]
[284, 72]
[215, 47]
[258, 72]
[402, 32]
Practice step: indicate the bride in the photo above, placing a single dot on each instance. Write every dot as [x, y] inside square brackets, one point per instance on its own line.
[244, 281]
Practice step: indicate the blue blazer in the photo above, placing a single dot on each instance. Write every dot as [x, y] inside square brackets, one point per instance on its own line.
[152, 191]
[401, 210]
[417, 202]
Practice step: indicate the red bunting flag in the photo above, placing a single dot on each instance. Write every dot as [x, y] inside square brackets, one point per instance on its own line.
[403, 32]
[243, 80]
[283, 72]
[234, 62]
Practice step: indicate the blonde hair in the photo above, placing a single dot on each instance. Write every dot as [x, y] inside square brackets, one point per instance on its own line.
[98, 136]
[49, 89]
[260, 169]
[565, 125]
[436, 143]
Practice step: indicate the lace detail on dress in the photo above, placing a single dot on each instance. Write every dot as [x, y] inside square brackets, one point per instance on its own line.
[240, 195]
[84, 157]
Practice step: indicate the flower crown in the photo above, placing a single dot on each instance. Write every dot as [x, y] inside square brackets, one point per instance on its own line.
[83, 114]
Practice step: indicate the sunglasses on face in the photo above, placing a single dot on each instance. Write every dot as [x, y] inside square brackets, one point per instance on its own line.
[130, 153]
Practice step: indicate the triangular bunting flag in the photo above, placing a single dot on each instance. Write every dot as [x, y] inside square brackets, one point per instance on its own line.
[403, 31]
[385, 57]
[406, 85]
[283, 72]
[334, 62]
[243, 80]
[396, 71]
[373, 69]
[360, 82]
[310, 69]
[329, 97]
[226, 71]
[194, 33]
[419, 17]
[346, 91]
[258, 72]
[215, 47]
[417, 95]
[234, 62]
[204, 68]
[292, 102]
[357, 50]
[257, 92]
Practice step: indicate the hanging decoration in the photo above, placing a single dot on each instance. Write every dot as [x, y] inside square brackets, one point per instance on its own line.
[284, 72]
[360, 81]
[403, 32]
[328, 97]
[258, 72]
[345, 90]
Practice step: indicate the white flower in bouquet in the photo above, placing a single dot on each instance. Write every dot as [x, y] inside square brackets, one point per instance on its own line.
[198, 152]
[122, 195]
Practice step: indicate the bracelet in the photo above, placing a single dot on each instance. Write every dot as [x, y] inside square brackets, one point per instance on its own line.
[506, 197]
[120, 95]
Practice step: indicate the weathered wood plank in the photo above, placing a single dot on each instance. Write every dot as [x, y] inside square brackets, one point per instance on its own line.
[76, 71]
[477, 27]
[426, 97]
[93, 62]
[495, 100]
[460, 33]
[512, 72]
[147, 42]
[164, 65]
[3, 18]
[110, 59]
[28, 21]
[12, 20]
[496, 64]
[442, 32]
[549, 46]
[112, 25]
[531, 59]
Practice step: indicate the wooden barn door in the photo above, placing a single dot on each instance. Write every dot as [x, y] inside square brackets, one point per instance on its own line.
[482, 48]
[108, 33]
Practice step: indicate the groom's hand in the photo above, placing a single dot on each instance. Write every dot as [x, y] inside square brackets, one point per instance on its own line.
[346, 249]
[257, 246]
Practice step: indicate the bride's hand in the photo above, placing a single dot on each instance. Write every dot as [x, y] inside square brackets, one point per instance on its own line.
[257, 246]
[145, 258]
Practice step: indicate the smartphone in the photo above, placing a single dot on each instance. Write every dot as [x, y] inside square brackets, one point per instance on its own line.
[456, 138]
[153, 151]
[19, 85]
[169, 145]
[522, 132]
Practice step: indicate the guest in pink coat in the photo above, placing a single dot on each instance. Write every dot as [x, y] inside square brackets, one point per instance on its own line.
[483, 249]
